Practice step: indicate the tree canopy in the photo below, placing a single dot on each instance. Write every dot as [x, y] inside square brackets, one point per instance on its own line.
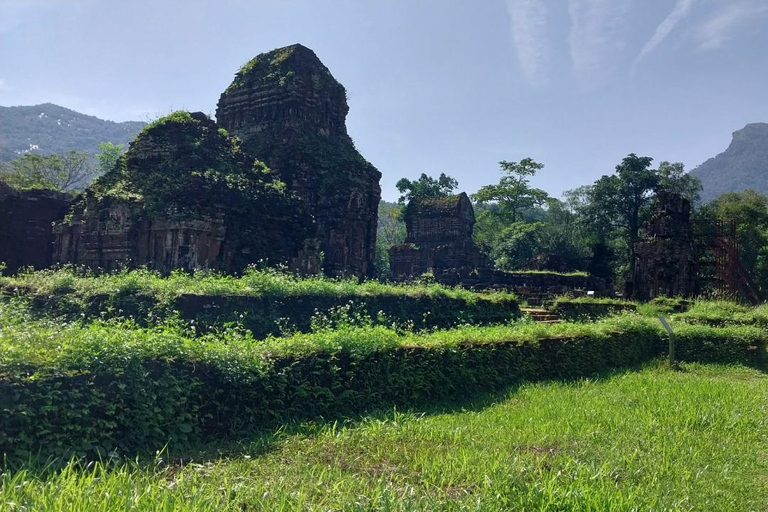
[66, 172]
[513, 192]
[426, 186]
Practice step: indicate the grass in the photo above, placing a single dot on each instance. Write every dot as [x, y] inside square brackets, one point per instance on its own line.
[721, 312]
[639, 440]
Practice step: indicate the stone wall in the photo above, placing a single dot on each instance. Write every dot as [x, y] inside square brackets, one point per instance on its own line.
[123, 236]
[524, 283]
[25, 226]
[665, 263]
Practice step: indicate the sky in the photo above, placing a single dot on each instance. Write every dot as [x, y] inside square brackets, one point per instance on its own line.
[434, 86]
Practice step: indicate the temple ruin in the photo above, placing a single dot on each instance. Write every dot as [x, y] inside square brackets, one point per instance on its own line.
[184, 196]
[665, 262]
[291, 112]
[439, 238]
[25, 226]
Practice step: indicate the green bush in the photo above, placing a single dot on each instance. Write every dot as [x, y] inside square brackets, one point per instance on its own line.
[723, 313]
[589, 309]
[72, 389]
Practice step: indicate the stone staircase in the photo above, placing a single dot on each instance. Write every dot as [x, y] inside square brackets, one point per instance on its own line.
[542, 315]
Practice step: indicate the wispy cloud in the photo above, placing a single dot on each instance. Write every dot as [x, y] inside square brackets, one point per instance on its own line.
[680, 11]
[595, 34]
[529, 31]
[714, 32]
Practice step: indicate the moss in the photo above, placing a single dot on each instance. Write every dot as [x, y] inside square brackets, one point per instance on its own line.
[282, 67]
[433, 206]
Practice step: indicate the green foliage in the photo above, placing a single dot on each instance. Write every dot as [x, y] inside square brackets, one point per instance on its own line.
[556, 243]
[281, 67]
[516, 245]
[66, 172]
[572, 444]
[181, 167]
[425, 186]
[108, 156]
[263, 301]
[519, 227]
[749, 210]
[613, 209]
[724, 313]
[673, 178]
[589, 308]
[390, 231]
[513, 193]
[86, 389]
[49, 129]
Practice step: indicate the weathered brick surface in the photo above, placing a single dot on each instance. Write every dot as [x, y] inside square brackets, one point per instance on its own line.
[25, 226]
[291, 113]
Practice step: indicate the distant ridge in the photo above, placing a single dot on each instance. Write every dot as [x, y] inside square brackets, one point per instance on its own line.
[49, 128]
[742, 166]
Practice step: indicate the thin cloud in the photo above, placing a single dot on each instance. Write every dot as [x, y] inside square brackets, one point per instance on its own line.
[714, 32]
[528, 20]
[595, 34]
[680, 11]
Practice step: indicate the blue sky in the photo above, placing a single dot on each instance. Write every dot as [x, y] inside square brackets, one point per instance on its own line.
[434, 86]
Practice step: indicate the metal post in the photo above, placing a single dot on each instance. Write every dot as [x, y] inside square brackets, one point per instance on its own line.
[663, 321]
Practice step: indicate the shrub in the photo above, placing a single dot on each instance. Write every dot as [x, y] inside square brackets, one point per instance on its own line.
[589, 309]
[86, 390]
[260, 300]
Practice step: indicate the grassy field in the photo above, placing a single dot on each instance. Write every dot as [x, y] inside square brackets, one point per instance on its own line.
[651, 439]
[245, 418]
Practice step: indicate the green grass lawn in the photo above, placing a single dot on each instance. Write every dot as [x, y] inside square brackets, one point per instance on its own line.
[652, 439]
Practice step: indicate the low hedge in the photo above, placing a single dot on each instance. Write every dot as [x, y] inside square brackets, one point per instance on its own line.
[89, 390]
[588, 310]
[265, 311]
[718, 313]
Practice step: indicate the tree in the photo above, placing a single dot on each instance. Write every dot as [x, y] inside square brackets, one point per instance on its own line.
[66, 172]
[426, 186]
[621, 200]
[673, 178]
[513, 192]
[390, 231]
[749, 211]
[108, 156]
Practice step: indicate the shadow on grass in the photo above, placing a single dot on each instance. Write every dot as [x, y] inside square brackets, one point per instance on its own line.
[262, 442]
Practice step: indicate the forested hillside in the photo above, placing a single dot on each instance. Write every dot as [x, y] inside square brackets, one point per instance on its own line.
[742, 166]
[48, 129]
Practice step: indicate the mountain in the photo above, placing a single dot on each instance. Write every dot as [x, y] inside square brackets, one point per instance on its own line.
[743, 165]
[49, 128]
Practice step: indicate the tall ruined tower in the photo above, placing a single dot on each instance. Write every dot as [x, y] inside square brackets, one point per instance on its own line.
[291, 114]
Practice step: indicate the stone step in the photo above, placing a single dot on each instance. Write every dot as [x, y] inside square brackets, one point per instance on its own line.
[541, 315]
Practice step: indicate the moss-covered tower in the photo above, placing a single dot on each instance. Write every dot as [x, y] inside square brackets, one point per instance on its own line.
[184, 196]
[291, 113]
